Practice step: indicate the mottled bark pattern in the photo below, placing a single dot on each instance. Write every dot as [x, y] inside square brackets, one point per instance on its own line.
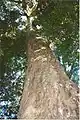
[48, 93]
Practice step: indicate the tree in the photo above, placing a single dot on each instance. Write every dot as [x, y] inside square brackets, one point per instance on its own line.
[48, 93]
[48, 17]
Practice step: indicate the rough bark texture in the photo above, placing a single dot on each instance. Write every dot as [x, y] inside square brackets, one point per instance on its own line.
[48, 93]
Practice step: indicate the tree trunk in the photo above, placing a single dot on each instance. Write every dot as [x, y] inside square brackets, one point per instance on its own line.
[48, 93]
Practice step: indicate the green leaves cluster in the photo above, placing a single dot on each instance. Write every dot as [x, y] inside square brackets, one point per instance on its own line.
[60, 23]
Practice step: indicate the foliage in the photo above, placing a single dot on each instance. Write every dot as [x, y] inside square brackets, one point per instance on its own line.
[60, 24]
[12, 59]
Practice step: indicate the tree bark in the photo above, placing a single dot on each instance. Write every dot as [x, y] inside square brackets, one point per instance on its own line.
[48, 93]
